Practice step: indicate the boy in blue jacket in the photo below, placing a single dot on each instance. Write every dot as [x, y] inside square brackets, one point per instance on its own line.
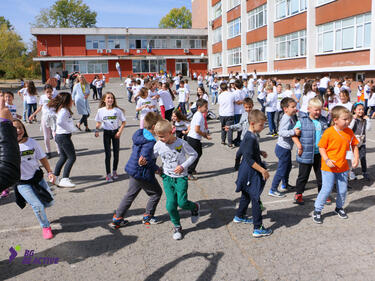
[252, 175]
[141, 176]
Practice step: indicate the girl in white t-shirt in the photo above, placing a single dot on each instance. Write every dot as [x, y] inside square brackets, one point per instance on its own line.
[166, 98]
[31, 100]
[309, 92]
[144, 105]
[112, 119]
[32, 184]
[22, 93]
[180, 124]
[48, 118]
[345, 99]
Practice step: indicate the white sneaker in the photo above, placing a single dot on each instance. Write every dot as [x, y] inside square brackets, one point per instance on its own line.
[65, 182]
[177, 235]
[352, 176]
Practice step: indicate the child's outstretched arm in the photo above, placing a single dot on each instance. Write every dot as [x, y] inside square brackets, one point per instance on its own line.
[118, 134]
[192, 156]
[35, 113]
[97, 127]
[356, 157]
[46, 165]
[298, 144]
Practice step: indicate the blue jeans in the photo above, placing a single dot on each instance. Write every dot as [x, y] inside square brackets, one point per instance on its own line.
[24, 110]
[329, 179]
[182, 106]
[31, 108]
[214, 97]
[38, 207]
[284, 167]
[261, 101]
[271, 122]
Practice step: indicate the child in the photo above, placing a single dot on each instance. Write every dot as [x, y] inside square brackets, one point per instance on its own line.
[308, 93]
[271, 106]
[166, 98]
[173, 153]
[22, 93]
[32, 188]
[337, 145]
[331, 99]
[366, 94]
[196, 132]
[371, 102]
[345, 100]
[46, 120]
[284, 147]
[180, 124]
[182, 97]
[141, 168]
[31, 100]
[243, 125]
[62, 105]
[238, 107]
[112, 119]
[9, 97]
[214, 91]
[144, 105]
[226, 112]
[360, 125]
[360, 91]
[99, 87]
[312, 127]
[252, 175]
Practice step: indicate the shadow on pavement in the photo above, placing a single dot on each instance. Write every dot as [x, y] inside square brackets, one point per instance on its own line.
[100, 181]
[207, 274]
[96, 151]
[71, 252]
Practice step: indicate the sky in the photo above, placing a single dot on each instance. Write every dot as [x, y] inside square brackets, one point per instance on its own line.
[110, 13]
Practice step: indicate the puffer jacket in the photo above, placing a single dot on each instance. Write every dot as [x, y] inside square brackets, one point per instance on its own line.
[143, 145]
[10, 159]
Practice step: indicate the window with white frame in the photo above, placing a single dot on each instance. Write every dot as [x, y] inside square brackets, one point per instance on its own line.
[217, 35]
[346, 34]
[257, 18]
[146, 66]
[286, 8]
[87, 67]
[291, 45]
[322, 2]
[257, 52]
[95, 42]
[233, 3]
[234, 28]
[234, 56]
[216, 10]
[217, 60]
[116, 42]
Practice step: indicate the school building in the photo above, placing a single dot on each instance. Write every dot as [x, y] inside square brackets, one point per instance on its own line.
[287, 38]
[94, 51]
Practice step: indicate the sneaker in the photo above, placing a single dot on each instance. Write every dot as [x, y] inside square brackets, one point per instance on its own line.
[274, 135]
[108, 178]
[283, 188]
[5, 193]
[352, 176]
[269, 134]
[191, 178]
[317, 217]
[114, 175]
[118, 222]
[47, 233]
[177, 232]
[366, 177]
[276, 194]
[259, 232]
[195, 214]
[329, 200]
[298, 199]
[242, 220]
[147, 220]
[66, 182]
[341, 213]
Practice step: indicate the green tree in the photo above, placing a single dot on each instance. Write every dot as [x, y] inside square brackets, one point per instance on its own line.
[6, 22]
[176, 18]
[66, 13]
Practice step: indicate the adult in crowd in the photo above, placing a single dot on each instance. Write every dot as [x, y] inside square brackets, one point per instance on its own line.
[10, 159]
[80, 94]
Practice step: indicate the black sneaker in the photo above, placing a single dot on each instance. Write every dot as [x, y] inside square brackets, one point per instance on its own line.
[195, 214]
[317, 217]
[341, 213]
[177, 233]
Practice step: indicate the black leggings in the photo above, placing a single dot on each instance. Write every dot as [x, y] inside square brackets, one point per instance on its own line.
[109, 136]
[67, 154]
[197, 145]
[168, 114]
[84, 120]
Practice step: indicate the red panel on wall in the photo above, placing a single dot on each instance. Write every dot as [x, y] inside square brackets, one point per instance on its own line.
[49, 43]
[171, 66]
[74, 45]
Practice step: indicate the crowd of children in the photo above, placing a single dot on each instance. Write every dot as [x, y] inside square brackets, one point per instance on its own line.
[328, 131]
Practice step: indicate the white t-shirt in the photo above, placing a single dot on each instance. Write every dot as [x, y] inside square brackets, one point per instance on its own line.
[215, 86]
[371, 100]
[54, 93]
[31, 153]
[181, 125]
[182, 95]
[304, 101]
[147, 101]
[30, 99]
[99, 84]
[323, 83]
[333, 101]
[260, 85]
[239, 96]
[226, 103]
[128, 82]
[271, 102]
[64, 122]
[250, 84]
[210, 80]
[198, 120]
[279, 99]
[297, 89]
[43, 101]
[13, 110]
[166, 100]
[367, 91]
[347, 105]
[176, 80]
[151, 94]
[244, 76]
[111, 119]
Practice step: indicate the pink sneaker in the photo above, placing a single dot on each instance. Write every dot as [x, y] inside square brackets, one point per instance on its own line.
[47, 233]
[5, 193]
[114, 175]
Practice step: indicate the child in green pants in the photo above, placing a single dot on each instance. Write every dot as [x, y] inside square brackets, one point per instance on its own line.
[173, 153]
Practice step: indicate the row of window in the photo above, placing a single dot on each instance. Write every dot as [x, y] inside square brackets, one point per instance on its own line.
[145, 66]
[85, 67]
[234, 28]
[162, 42]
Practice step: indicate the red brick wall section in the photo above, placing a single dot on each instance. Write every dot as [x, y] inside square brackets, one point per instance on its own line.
[217, 23]
[74, 45]
[256, 35]
[217, 48]
[341, 9]
[234, 42]
[252, 4]
[214, 2]
[171, 66]
[234, 69]
[198, 68]
[219, 70]
[49, 43]
[343, 59]
[290, 25]
[234, 13]
[259, 67]
[290, 64]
